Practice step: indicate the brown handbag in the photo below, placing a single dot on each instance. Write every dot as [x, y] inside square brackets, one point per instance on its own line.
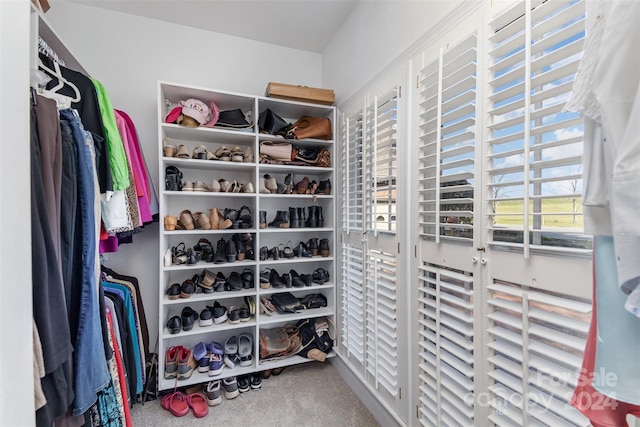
[311, 127]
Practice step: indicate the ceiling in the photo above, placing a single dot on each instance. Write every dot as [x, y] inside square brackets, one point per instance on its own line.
[300, 24]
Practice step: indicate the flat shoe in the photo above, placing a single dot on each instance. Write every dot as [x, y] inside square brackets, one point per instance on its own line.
[169, 150]
[236, 154]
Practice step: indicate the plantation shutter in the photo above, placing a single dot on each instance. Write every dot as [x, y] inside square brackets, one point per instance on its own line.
[352, 195]
[380, 161]
[352, 328]
[536, 340]
[380, 321]
[446, 345]
[534, 147]
[446, 123]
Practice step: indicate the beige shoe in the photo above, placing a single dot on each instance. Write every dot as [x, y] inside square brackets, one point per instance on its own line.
[316, 354]
[170, 222]
[236, 154]
[214, 186]
[188, 186]
[169, 150]
[263, 188]
[186, 218]
[224, 185]
[202, 220]
[200, 186]
[183, 152]
[248, 155]
[271, 184]
[214, 218]
[248, 188]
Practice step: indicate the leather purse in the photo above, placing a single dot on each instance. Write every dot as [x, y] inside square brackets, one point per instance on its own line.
[270, 122]
[311, 127]
[286, 302]
[281, 151]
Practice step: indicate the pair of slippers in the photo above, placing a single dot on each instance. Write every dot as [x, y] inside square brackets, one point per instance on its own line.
[238, 350]
[178, 404]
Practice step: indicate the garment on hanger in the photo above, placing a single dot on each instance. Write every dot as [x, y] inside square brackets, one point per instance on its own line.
[89, 111]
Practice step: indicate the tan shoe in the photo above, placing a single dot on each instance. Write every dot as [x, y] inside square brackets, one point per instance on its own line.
[187, 219]
[200, 186]
[202, 220]
[214, 218]
[170, 222]
[248, 155]
[214, 186]
[183, 152]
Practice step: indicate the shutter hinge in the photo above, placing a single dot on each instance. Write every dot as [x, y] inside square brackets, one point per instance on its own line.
[400, 393]
[398, 247]
[399, 91]
[417, 412]
[415, 251]
[417, 81]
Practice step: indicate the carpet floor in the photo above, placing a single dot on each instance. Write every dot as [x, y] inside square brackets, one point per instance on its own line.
[311, 394]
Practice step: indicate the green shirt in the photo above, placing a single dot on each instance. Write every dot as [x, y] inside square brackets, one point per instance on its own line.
[117, 156]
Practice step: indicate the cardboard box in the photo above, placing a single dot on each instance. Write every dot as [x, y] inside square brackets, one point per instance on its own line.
[300, 93]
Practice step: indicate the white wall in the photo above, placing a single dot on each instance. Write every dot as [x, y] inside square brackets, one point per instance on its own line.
[129, 54]
[373, 36]
[16, 343]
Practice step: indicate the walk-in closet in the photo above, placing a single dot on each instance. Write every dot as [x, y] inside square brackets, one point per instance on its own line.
[435, 225]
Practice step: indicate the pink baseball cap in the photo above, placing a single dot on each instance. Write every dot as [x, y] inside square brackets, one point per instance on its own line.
[199, 111]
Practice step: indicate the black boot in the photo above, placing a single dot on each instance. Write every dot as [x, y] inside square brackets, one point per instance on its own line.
[221, 252]
[280, 220]
[302, 216]
[231, 251]
[320, 223]
[294, 219]
[312, 219]
[324, 247]
[313, 246]
[237, 241]
[324, 187]
[249, 246]
[263, 219]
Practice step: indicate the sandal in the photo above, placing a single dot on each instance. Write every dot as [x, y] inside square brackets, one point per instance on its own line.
[205, 249]
[198, 403]
[172, 179]
[215, 359]
[234, 282]
[245, 349]
[236, 154]
[223, 153]
[175, 403]
[248, 155]
[224, 185]
[183, 152]
[320, 276]
[179, 255]
[200, 153]
[230, 351]
[287, 252]
[169, 150]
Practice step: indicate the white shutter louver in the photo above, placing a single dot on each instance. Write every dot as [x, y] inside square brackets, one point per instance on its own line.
[446, 126]
[537, 341]
[352, 303]
[534, 147]
[446, 341]
[352, 196]
[380, 161]
[380, 321]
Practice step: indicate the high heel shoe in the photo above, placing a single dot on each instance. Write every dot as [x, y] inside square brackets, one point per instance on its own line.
[288, 183]
[262, 187]
[270, 183]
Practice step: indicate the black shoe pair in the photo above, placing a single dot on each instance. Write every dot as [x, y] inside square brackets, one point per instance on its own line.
[185, 321]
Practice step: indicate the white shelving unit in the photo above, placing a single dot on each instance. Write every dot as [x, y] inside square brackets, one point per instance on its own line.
[174, 202]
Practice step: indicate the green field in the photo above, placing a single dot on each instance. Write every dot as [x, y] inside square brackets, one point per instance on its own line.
[557, 213]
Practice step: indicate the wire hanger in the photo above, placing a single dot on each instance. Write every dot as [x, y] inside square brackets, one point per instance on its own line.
[61, 80]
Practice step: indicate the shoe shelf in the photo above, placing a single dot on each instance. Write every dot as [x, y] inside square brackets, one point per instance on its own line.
[217, 165]
[306, 290]
[200, 171]
[207, 298]
[200, 265]
[293, 317]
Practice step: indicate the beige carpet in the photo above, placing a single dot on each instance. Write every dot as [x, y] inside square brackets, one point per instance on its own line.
[311, 394]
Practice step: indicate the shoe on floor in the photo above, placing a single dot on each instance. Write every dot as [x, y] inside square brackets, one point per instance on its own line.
[198, 403]
[213, 393]
[244, 384]
[230, 386]
[256, 381]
